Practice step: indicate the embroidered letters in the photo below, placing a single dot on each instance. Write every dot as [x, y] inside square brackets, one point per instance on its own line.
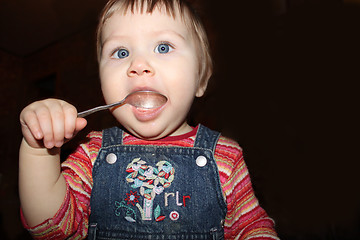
[183, 203]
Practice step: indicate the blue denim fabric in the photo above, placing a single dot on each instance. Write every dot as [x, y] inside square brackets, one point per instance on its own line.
[156, 192]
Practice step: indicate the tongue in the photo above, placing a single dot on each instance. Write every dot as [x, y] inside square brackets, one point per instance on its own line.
[143, 114]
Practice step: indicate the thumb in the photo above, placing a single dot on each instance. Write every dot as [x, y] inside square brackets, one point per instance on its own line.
[80, 125]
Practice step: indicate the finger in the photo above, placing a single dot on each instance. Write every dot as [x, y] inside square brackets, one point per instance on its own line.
[58, 124]
[30, 125]
[70, 114]
[45, 121]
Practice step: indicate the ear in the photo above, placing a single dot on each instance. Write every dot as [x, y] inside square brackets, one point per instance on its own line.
[202, 86]
[201, 90]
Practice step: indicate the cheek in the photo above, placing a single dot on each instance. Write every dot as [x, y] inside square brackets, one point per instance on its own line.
[106, 93]
[111, 86]
[185, 75]
[105, 87]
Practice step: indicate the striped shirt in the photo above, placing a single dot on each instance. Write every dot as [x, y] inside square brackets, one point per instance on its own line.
[245, 218]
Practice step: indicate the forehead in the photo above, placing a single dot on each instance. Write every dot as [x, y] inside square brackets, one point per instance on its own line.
[138, 21]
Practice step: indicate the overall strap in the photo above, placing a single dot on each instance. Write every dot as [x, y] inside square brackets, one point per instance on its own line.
[112, 136]
[206, 138]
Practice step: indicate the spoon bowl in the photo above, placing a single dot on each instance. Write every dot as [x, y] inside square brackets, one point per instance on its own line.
[145, 99]
[138, 99]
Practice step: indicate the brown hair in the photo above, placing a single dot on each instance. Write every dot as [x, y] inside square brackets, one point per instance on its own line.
[171, 6]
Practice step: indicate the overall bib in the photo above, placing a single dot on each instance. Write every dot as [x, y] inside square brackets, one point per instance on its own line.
[156, 192]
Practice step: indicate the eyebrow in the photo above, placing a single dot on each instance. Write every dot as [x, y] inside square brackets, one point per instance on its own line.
[171, 32]
[112, 38]
[156, 33]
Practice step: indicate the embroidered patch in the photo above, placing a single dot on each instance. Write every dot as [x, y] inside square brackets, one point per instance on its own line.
[157, 215]
[130, 214]
[174, 215]
[151, 181]
[132, 198]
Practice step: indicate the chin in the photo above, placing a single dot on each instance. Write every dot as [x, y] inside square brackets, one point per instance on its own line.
[156, 128]
[148, 132]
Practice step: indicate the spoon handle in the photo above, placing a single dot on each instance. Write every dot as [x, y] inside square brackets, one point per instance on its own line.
[99, 108]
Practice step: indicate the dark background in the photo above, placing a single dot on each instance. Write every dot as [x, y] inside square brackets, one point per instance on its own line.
[284, 86]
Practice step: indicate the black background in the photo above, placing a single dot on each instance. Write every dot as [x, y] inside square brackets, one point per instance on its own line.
[284, 86]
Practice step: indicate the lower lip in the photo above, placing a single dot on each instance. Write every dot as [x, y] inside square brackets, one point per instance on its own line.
[144, 115]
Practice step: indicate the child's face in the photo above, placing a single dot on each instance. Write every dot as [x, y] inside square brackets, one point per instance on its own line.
[150, 52]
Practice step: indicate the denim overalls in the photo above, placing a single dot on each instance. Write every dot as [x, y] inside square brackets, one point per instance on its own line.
[156, 192]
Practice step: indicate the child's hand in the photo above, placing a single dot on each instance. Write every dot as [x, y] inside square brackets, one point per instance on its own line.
[49, 123]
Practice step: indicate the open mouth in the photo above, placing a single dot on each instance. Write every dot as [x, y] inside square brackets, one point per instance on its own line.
[145, 114]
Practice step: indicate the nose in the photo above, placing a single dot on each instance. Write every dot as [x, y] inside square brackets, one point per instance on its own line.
[140, 66]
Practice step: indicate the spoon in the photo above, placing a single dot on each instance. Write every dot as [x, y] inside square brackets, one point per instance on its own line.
[138, 99]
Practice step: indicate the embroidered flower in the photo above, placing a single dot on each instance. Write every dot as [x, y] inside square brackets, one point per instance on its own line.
[132, 198]
[149, 172]
[137, 183]
[167, 168]
[158, 189]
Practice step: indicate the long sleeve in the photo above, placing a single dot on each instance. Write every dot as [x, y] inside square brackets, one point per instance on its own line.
[245, 218]
[71, 220]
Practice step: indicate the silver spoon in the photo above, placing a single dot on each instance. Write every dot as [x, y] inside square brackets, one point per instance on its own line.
[138, 99]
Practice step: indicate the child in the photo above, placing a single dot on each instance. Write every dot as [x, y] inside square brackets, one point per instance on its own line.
[159, 178]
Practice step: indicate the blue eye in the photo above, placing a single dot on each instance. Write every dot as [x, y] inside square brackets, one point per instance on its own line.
[163, 48]
[121, 53]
